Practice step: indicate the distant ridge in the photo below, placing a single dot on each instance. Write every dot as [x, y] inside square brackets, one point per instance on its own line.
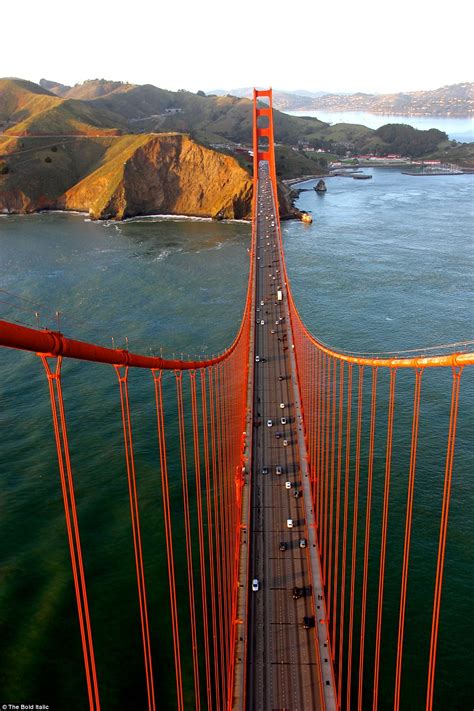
[451, 100]
[131, 149]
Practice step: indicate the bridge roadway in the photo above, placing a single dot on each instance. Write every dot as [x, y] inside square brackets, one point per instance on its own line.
[282, 666]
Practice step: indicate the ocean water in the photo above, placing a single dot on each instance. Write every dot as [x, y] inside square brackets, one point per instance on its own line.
[386, 265]
[458, 129]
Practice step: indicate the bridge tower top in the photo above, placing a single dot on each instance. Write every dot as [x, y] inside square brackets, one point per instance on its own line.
[263, 141]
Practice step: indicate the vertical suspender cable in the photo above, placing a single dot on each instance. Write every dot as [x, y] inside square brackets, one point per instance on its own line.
[326, 472]
[338, 507]
[408, 523]
[157, 378]
[448, 475]
[383, 546]
[202, 552]
[188, 533]
[370, 469]
[215, 405]
[72, 527]
[204, 403]
[344, 533]
[354, 534]
[331, 490]
[135, 518]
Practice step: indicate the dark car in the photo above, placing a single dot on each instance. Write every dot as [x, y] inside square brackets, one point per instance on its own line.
[308, 622]
[282, 546]
[297, 593]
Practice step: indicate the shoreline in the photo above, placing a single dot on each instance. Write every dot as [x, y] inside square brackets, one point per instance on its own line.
[137, 218]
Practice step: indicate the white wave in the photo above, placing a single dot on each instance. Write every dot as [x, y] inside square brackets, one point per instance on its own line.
[162, 255]
[63, 212]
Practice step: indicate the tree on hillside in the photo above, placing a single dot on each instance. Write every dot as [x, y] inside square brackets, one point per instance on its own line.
[410, 141]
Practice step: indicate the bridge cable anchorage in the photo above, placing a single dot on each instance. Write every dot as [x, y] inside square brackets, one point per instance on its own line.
[157, 380]
[136, 534]
[72, 526]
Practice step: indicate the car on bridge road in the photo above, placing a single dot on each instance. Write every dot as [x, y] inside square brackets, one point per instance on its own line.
[282, 546]
[308, 622]
[289, 522]
[269, 423]
[255, 585]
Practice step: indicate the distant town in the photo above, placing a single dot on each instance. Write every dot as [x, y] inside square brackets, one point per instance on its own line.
[453, 100]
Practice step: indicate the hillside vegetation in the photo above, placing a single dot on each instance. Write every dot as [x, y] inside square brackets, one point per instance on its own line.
[93, 153]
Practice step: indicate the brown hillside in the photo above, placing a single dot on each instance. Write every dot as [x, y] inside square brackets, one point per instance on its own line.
[164, 174]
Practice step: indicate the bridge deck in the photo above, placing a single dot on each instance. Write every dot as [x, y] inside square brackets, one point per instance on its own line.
[283, 664]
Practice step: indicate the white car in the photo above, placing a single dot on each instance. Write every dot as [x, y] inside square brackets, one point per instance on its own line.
[257, 359]
[289, 522]
[285, 443]
[277, 469]
[269, 423]
[262, 303]
[282, 405]
[255, 585]
[283, 419]
[287, 484]
[262, 323]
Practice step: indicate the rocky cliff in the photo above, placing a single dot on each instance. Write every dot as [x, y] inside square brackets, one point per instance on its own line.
[167, 174]
[123, 177]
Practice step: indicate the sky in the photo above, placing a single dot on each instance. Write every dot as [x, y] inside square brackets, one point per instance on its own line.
[335, 45]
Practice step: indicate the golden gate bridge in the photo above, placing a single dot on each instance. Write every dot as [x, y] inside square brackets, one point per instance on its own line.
[223, 413]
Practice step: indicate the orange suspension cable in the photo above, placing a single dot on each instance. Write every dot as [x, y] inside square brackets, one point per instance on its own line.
[331, 487]
[383, 547]
[215, 405]
[443, 531]
[354, 533]
[157, 378]
[137, 543]
[327, 456]
[210, 531]
[370, 469]
[318, 448]
[188, 534]
[344, 533]
[202, 554]
[408, 522]
[72, 527]
[338, 506]
[322, 493]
